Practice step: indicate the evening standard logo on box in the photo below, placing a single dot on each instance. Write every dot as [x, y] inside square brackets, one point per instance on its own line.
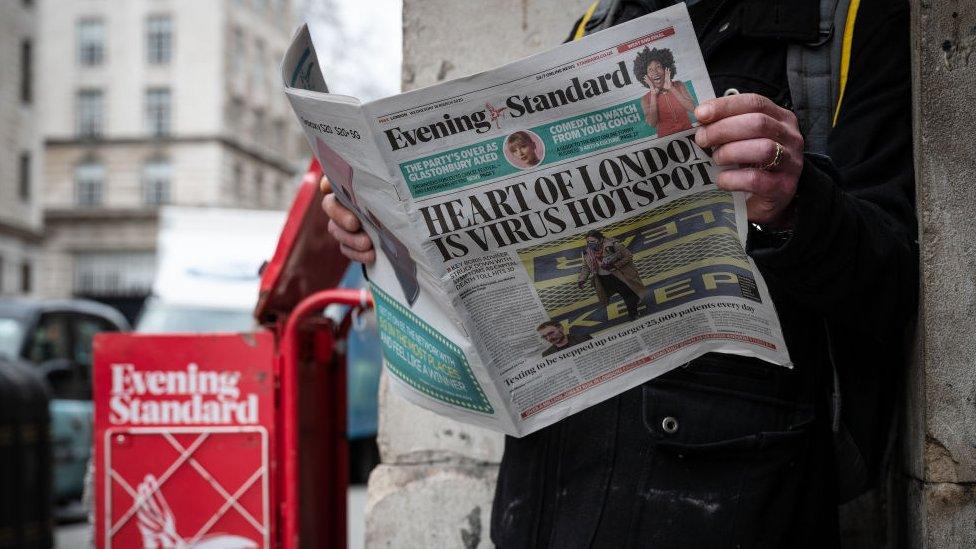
[192, 396]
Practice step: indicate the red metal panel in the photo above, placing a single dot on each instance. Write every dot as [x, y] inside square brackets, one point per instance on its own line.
[298, 346]
[323, 465]
[184, 427]
[307, 258]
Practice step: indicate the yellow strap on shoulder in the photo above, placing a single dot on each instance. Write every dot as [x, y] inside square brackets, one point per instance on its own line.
[581, 28]
[845, 54]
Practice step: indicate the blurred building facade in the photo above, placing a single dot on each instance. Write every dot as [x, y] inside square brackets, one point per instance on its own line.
[153, 102]
[20, 149]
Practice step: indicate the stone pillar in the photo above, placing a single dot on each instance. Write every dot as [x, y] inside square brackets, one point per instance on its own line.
[435, 484]
[941, 438]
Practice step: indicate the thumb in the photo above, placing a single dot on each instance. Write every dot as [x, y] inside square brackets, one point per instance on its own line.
[325, 185]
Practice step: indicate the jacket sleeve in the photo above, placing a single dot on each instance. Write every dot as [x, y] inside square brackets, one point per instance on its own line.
[623, 256]
[584, 269]
[853, 254]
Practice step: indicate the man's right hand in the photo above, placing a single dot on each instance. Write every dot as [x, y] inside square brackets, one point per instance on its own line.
[354, 243]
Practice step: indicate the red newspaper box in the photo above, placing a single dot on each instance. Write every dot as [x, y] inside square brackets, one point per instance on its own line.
[233, 440]
[184, 443]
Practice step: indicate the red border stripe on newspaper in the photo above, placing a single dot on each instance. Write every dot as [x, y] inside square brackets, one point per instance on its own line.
[639, 362]
[646, 39]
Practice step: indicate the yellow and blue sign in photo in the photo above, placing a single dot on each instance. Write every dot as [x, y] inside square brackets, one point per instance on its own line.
[423, 358]
[685, 250]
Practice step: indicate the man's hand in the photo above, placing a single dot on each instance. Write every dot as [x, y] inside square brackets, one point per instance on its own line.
[354, 243]
[746, 129]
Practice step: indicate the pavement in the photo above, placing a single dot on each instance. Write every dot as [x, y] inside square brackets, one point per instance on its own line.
[72, 536]
[78, 535]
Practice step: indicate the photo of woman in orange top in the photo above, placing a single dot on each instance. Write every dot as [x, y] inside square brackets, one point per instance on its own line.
[668, 105]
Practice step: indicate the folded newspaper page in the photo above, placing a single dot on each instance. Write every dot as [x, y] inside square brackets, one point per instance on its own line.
[549, 235]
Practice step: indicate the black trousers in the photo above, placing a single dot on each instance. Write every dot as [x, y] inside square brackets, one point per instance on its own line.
[613, 285]
[714, 454]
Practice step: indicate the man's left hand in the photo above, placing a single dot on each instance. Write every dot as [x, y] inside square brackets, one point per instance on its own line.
[765, 141]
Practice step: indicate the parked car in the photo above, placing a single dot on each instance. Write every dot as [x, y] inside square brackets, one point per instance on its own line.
[54, 337]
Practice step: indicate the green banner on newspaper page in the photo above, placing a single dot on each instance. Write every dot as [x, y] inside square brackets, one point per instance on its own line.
[423, 358]
[595, 131]
[528, 149]
[457, 168]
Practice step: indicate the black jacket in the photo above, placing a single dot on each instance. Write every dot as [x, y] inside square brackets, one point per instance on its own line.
[751, 462]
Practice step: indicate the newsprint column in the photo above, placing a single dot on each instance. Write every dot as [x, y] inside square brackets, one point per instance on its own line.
[942, 424]
[435, 484]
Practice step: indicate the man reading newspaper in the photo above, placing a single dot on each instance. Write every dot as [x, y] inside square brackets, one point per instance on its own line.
[730, 451]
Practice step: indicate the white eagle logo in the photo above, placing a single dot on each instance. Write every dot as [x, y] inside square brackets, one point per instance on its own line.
[158, 526]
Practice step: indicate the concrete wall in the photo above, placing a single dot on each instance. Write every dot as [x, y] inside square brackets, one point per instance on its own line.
[437, 477]
[942, 435]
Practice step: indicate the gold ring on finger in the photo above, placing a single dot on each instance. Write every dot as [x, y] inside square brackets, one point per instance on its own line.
[775, 161]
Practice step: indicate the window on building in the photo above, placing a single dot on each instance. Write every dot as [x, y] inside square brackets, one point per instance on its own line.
[24, 176]
[291, 144]
[238, 184]
[158, 111]
[159, 39]
[91, 42]
[90, 111]
[89, 181]
[156, 176]
[258, 66]
[258, 198]
[280, 192]
[125, 273]
[235, 113]
[26, 72]
[259, 126]
[26, 277]
[238, 51]
[278, 132]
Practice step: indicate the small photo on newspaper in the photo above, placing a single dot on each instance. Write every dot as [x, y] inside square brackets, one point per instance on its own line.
[548, 233]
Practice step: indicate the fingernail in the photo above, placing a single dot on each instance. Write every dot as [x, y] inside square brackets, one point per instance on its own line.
[703, 111]
[700, 137]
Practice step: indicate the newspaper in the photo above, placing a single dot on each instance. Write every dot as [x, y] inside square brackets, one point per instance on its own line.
[549, 235]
